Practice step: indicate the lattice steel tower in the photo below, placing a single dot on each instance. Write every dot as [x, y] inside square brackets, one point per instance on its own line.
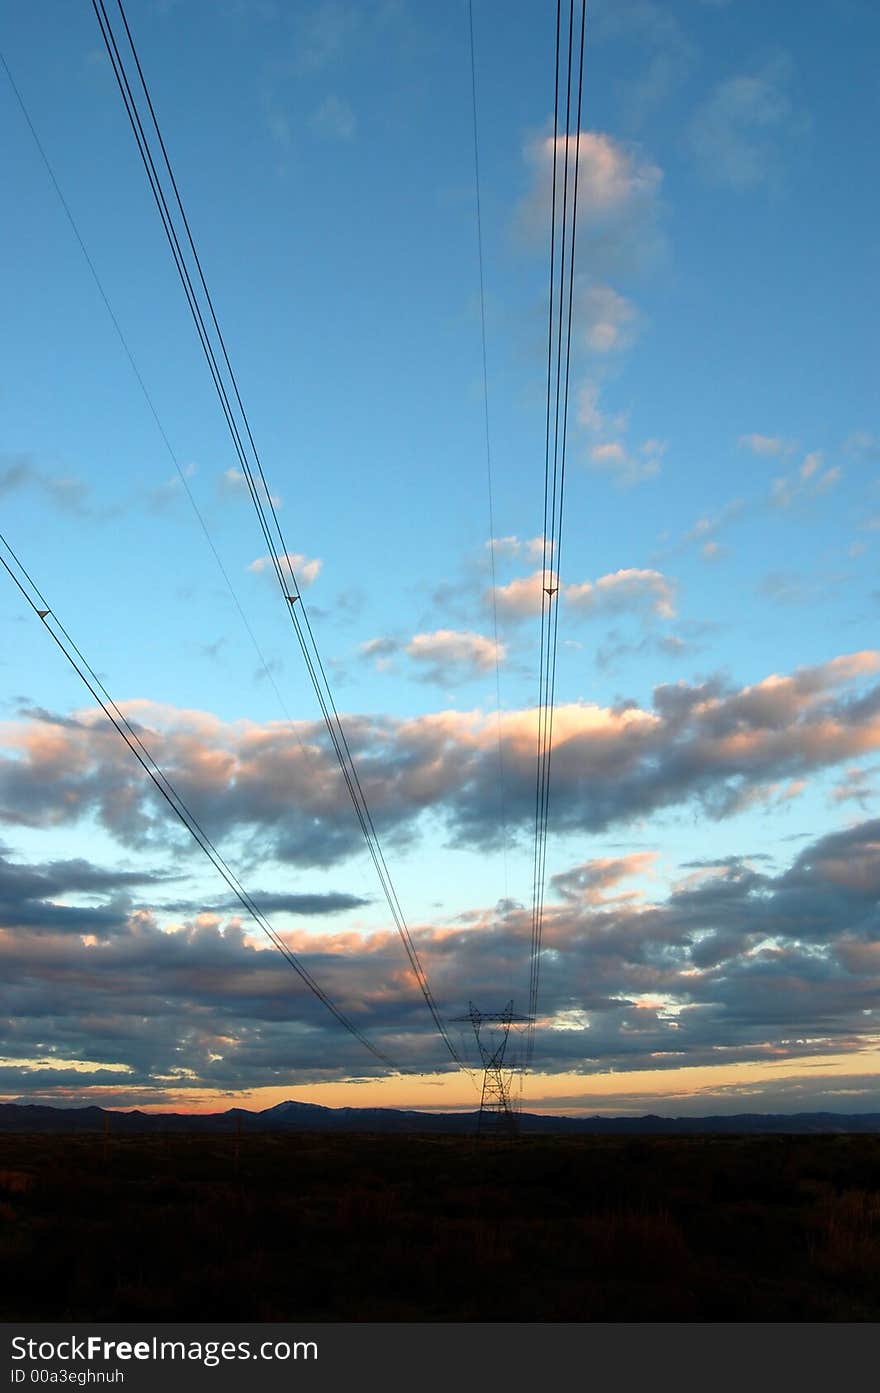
[497, 1113]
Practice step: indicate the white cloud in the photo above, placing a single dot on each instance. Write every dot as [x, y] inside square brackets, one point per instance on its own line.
[705, 530]
[644, 591]
[624, 466]
[734, 135]
[381, 651]
[305, 569]
[592, 417]
[233, 480]
[447, 653]
[808, 481]
[588, 413]
[444, 655]
[811, 464]
[605, 320]
[505, 546]
[709, 742]
[511, 547]
[767, 444]
[618, 193]
[827, 480]
[522, 597]
[612, 455]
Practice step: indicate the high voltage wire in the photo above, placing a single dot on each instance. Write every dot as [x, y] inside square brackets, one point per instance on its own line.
[54, 627]
[256, 482]
[558, 355]
[554, 480]
[148, 400]
[143, 387]
[539, 769]
[479, 219]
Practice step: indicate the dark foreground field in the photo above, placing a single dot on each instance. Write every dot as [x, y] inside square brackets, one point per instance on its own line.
[392, 1228]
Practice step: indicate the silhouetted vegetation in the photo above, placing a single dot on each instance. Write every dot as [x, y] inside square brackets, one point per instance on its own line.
[394, 1228]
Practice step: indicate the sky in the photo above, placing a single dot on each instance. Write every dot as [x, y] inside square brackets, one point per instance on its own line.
[711, 937]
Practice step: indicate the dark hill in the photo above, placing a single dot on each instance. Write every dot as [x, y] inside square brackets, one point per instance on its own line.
[293, 1116]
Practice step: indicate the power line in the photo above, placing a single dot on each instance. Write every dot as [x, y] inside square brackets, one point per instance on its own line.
[545, 593]
[559, 329]
[146, 395]
[539, 768]
[54, 627]
[479, 219]
[261, 497]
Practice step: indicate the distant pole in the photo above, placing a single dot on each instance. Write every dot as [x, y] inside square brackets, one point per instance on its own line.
[497, 1112]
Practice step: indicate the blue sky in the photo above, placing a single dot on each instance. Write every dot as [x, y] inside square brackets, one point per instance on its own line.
[713, 864]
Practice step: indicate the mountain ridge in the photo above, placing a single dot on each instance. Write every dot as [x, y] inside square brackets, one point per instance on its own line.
[291, 1115]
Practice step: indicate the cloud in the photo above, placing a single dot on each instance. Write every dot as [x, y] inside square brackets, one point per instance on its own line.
[671, 55]
[508, 548]
[626, 467]
[325, 37]
[736, 134]
[32, 897]
[614, 647]
[856, 786]
[68, 494]
[767, 444]
[14, 472]
[736, 963]
[590, 882]
[643, 591]
[166, 494]
[334, 119]
[605, 321]
[304, 568]
[444, 656]
[705, 530]
[381, 652]
[618, 199]
[325, 32]
[863, 445]
[611, 455]
[707, 745]
[310, 905]
[790, 588]
[233, 480]
[204, 994]
[591, 417]
[451, 654]
[588, 413]
[523, 597]
[810, 480]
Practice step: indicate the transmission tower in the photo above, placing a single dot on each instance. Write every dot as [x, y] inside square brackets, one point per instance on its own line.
[492, 1034]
